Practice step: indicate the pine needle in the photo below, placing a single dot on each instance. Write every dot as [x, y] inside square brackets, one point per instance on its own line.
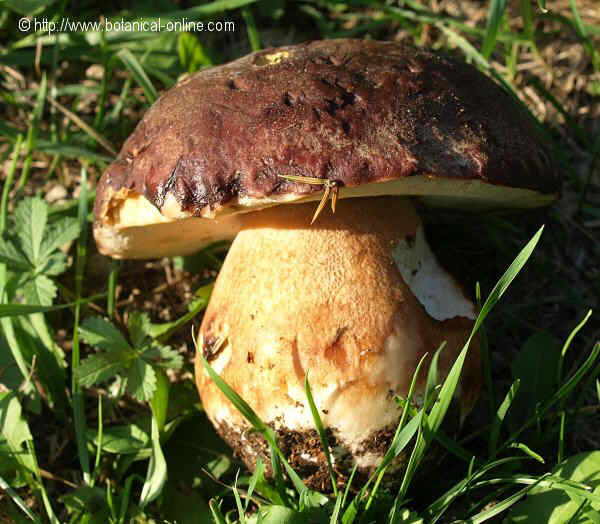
[330, 187]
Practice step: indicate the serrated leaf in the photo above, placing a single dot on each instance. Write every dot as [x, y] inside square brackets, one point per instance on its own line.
[100, 333]
[164, 356]
[60, 233]
[39, 290]
[102, 366]
[141, 380]
[31, 217]
[139, 327]
[12, 257]
[54, 265]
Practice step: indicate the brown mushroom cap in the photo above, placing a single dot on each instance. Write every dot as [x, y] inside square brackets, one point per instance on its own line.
[376, 118]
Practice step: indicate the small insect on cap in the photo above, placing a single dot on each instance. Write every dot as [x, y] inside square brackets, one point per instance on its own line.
[334, 118]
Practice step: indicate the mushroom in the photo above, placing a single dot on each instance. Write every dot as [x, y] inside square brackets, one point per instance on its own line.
[356, 299]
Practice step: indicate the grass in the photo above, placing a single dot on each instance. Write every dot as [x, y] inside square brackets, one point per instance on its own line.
[99, 418]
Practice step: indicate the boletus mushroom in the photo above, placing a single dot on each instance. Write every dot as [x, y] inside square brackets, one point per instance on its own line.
[252, 151]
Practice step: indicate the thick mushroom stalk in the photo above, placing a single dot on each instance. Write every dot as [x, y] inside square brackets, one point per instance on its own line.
[354, 302]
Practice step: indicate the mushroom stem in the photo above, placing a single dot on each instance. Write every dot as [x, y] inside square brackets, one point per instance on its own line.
[354, 301]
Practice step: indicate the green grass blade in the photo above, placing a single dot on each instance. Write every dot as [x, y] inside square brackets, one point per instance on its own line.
[502, 506]
[238, 501]
[157, 469]
[528, 451]
[244, 408]
[500, 415]
[112, 287]
[19, 502]
[561, 394]
[436, 510]
[252, 30]
[99, 441]
[215, 511]
[259, 471]
[432, 422]
[8, 181]
[465, 46]
[494, 19]
[567, 345]
[136, 69]
[33, 131]
[486, 359]
[322, 434]
[17, 310]
[77, 395]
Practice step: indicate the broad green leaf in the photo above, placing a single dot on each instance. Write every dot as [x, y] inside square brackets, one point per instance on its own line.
[535, 367]
[141, 380]
[31, 217]
[14, 429]
[279, 515]
[90, 501]
[98, 332]
[406, 516]
[184, 507]
[553, 505]
[126, 439]
[58, 234]
[103, 366]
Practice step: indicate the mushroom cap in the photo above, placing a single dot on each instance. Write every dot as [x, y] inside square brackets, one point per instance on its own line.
[344, 304]
[374, 118]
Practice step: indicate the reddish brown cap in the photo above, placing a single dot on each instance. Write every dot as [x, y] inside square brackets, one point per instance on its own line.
[375, 118]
